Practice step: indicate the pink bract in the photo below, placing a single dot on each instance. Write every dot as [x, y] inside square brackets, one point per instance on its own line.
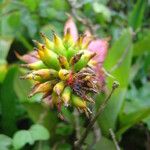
[100, 46]
[70, 24]
[28, 58]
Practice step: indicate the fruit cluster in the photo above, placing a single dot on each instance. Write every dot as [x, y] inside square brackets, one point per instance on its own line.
[64, 71]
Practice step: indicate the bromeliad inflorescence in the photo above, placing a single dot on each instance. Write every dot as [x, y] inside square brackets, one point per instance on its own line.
[67, 71]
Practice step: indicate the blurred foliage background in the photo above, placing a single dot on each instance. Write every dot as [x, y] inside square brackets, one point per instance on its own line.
[27, 124]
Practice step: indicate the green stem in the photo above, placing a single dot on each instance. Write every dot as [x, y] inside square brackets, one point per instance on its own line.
[78, 144]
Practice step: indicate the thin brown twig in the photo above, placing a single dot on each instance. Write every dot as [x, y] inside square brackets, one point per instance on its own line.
[77, 126]
[96, 135]
[84, 20]
[9, 12]
[78, 144]
[114, 139]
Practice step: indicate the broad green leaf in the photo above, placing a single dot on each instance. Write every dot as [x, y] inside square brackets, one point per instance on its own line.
[105, 144]
[137, 99]
[64, 146]
[5, 142]
[3, 72]
[63, 129]
[35, 133]
[21, 138]
[124, 43]
[136, 108]
[21, 87]
[110, 115]
[137, 14]
[38, 132]
[142, 46]
[14, 21]
[135, 68]
[108, 118]
[131, 119]
[5, 44]
[8, 102]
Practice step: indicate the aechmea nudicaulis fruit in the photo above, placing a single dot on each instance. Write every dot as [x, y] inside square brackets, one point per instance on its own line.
[68, 71]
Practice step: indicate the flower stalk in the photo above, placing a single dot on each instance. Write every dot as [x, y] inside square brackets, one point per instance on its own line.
[79, 142]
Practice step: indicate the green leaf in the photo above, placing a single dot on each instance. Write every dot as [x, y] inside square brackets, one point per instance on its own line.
[8, 100]
[35, 133]
[5, 44]
[137, 14]
[5, 142]
[142, 46]
[109, 116]
[131, 119]
[14, 21]
[7, 12]
[64, 146]
[63, 129]
[3, 72]
[105, 144]
[21, 87]
[124, 43]
[136, 108]
[38, 132]
[137, 99]
[44, 145]
[21, 138]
